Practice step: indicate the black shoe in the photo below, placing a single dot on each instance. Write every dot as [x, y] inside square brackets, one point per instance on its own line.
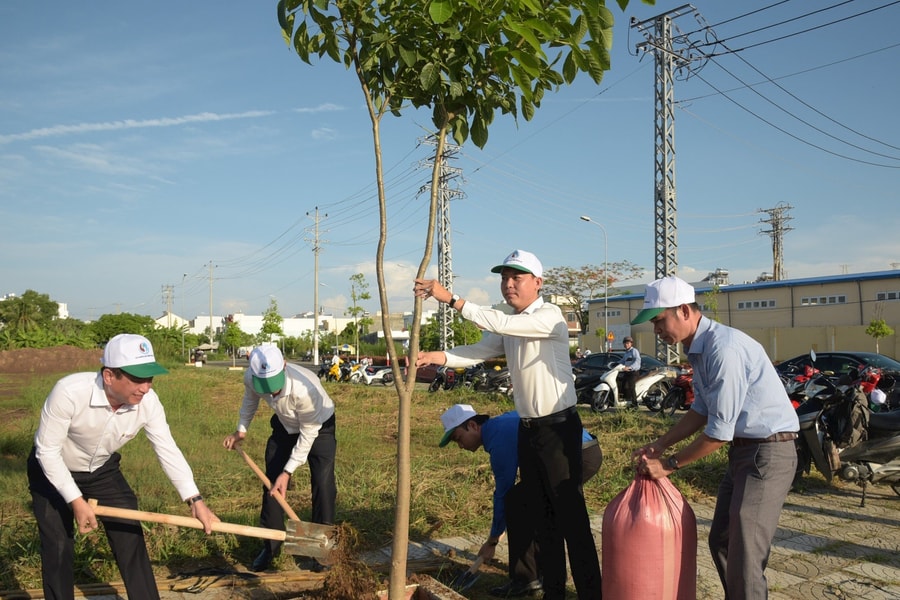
[515, 588]
[263, 561]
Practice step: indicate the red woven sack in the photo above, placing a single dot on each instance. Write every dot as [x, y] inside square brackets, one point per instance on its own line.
[649, 543]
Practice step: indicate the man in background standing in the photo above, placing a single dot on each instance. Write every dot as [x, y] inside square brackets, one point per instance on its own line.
[631, 360]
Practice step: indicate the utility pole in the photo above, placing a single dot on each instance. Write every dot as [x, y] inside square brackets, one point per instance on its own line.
[168, 292]
[316, 249]
[445, 260]
[667, 59]
[211, 332]
[777, 219]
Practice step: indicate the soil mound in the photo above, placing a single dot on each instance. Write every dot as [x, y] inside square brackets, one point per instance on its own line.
[59, 359]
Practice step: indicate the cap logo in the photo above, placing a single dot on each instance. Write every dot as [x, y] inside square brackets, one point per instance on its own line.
[144, 347]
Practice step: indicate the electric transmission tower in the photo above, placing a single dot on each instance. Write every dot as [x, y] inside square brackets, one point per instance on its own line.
[777, 220]
[659, 40]
[444, 245]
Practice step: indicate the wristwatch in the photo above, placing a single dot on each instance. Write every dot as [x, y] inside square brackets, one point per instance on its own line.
[453, 300]
[672, 463]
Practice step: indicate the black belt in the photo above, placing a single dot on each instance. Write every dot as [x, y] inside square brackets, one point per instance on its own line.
[554, 419]
[782, 436]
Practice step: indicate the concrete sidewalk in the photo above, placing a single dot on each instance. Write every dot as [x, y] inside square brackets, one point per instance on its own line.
[826, 546]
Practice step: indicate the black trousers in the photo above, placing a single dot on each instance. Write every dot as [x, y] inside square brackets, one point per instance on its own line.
[629, 378]
[321, 474]
[551, 470]
[56, 528]
[520, 529]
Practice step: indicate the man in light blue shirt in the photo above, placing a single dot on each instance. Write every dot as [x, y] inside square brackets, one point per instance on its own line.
[740, 399]
[631, 360]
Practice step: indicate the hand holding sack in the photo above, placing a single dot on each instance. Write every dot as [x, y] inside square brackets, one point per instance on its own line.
[649, 543]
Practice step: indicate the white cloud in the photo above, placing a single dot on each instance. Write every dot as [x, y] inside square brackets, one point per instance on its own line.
[60, 130]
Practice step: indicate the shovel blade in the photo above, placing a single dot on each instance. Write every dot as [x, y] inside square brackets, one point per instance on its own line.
[310, 539]
[465, 580]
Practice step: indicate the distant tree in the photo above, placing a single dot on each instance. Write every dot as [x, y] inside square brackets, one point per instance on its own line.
[108, 326]
[359, 290]
[233, 337]
[271, 322]
[580, 284]
[464, 332]
[29, 312]
[878, 329]
[711, 302]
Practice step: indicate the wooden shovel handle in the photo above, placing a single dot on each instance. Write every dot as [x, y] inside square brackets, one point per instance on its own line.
[141, 515]
[262, 477]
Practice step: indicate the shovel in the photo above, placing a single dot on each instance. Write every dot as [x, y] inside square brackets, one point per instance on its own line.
[467, 578]
[262, 477]
[301, 538]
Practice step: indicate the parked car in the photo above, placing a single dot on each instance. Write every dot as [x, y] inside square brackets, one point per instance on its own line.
[426, 373]
[839, 363]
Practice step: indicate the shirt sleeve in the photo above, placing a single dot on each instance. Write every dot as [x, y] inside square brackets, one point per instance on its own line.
[504, 465]
[249, 405]
[308, 434]
[56, 415]
[722, 387]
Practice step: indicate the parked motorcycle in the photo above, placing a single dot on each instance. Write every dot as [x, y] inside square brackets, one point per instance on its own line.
[681, 394]
[841, 436]
[650, 389]
[371, 374]
[444, 378]
[496, 380]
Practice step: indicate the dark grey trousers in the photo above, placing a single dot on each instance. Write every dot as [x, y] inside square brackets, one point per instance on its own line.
[748, 506]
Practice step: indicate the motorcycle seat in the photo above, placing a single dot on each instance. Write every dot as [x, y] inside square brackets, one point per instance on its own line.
[888, 421]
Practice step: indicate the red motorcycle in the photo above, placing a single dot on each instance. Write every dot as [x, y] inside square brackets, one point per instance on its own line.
[681, 395]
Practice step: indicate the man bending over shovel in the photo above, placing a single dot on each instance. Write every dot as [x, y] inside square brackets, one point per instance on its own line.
[302, 431]
[85, 420]
[499, 438]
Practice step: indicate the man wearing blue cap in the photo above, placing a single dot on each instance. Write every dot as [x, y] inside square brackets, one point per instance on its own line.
[85, 420]
[302, 431]
[535, 341]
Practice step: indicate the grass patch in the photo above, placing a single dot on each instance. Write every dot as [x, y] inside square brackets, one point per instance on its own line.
[451, 488]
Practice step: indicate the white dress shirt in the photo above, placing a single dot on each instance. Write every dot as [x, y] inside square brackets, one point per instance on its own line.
[79, 431]
[536, 345]
[302, 407]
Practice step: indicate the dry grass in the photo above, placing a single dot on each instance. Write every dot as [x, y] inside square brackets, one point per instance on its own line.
[451, 490]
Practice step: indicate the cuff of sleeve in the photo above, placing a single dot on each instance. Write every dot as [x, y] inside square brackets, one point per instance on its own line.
[292, 466]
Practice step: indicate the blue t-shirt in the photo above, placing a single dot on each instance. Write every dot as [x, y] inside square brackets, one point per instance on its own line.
[500, 438]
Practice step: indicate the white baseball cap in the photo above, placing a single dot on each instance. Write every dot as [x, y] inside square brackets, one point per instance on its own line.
[133, 354]
[267, 369]
[453, 417]
[522, 261]
[664, 293]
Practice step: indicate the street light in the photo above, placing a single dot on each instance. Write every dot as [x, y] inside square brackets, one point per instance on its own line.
[605, 281]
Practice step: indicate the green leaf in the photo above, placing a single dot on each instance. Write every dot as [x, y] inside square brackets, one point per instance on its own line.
[440, 11]
[527, 110]
[479, 131]
[409, 56]
[429, 76]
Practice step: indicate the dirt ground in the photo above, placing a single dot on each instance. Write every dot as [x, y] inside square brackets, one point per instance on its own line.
[44, 361]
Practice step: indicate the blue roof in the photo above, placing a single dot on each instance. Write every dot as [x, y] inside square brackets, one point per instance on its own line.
[702, 286]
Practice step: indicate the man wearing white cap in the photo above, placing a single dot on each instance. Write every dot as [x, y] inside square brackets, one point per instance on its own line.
[499, 438]
[535, 341]
[302, 431]
[738, 398]
[86, 418]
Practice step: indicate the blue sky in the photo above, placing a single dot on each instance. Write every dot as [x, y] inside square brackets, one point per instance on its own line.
[142, 143]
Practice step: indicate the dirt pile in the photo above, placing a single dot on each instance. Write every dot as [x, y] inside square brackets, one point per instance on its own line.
[41, 361]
